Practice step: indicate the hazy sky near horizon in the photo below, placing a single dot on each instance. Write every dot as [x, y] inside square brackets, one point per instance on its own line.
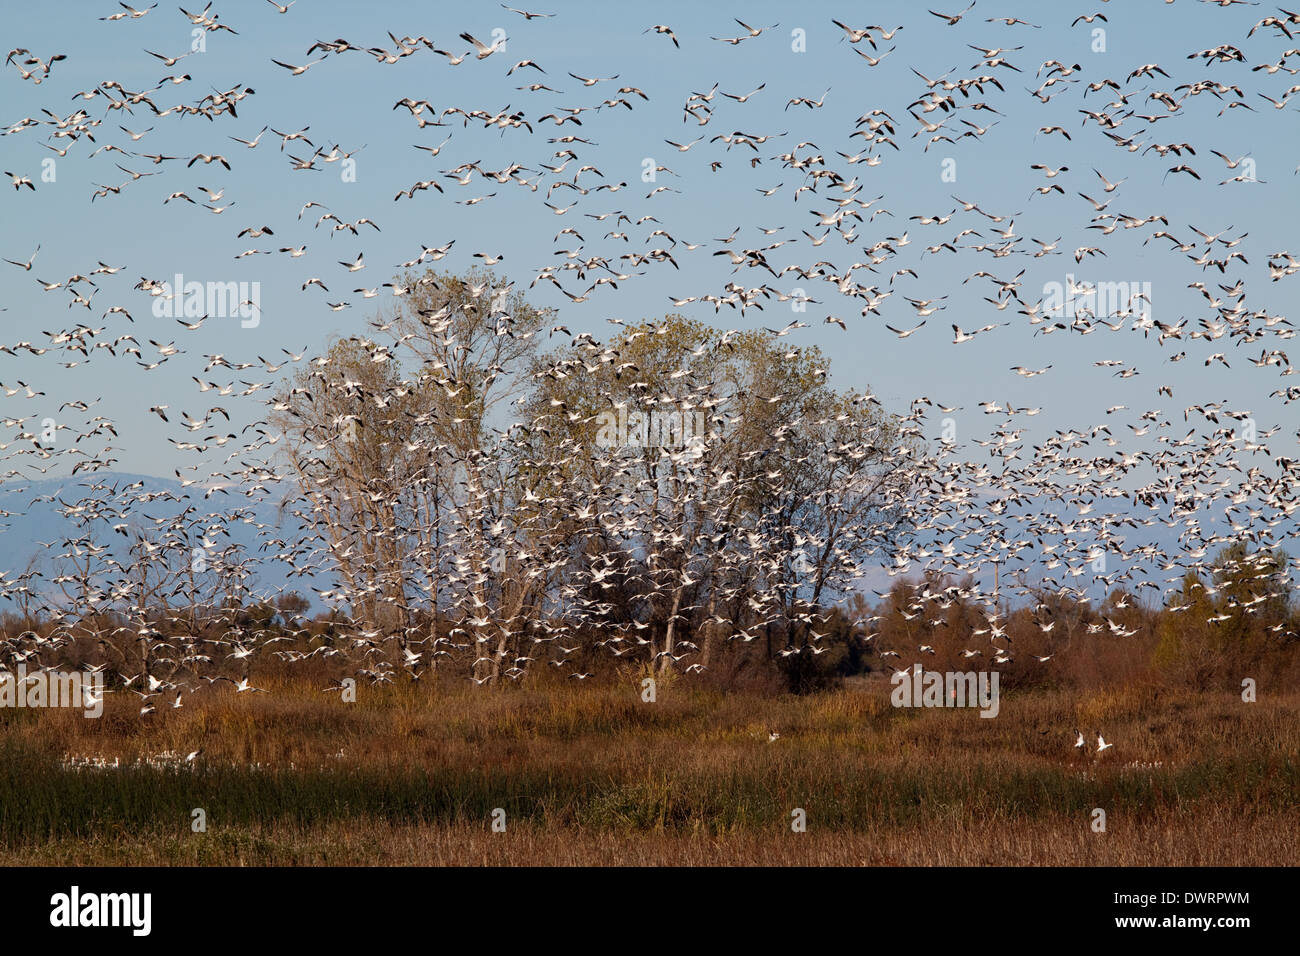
[348, 99]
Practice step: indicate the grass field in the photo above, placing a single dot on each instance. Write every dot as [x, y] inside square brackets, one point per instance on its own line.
[593, 775]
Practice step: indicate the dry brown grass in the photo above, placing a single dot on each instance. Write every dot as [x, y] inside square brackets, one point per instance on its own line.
[592, 775]
[1211, 839]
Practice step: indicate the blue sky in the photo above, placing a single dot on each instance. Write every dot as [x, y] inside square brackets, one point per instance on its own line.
[348, 100]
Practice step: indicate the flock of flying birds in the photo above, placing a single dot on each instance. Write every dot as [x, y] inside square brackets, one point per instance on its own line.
[663, 568]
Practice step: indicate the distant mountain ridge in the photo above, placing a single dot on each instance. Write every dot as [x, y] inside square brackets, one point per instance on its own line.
[32, 535]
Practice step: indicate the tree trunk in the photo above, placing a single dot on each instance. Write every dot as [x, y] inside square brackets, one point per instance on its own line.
[666, 662]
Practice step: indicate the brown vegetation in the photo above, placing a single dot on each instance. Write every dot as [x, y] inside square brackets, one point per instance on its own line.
[411, 773]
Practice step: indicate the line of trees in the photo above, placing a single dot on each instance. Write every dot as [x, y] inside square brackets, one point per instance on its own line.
[472, 491]
[554, 522]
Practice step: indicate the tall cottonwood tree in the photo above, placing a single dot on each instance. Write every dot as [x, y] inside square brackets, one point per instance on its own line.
[774, 457]
[388, 436]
